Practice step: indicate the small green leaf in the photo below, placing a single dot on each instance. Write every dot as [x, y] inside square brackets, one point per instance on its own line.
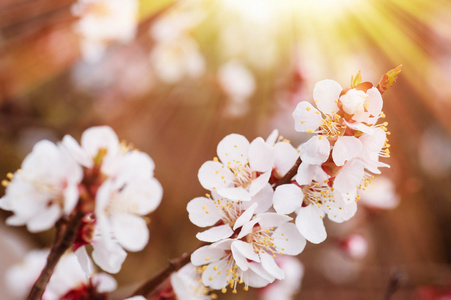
[389, 79]
[355, 81]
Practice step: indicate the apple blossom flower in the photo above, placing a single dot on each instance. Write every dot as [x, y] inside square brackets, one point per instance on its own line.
[380, 194]
[286, 288]
[248, 255]
[355, 245]
[69, 281]
[44, 189]
[125, 191]
[242, 170]
[103, 22]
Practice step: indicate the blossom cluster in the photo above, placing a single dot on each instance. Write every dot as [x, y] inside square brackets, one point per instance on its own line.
[256, 187]
[107, 185]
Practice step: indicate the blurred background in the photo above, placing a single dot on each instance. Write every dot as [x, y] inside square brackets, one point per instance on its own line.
[177, 78]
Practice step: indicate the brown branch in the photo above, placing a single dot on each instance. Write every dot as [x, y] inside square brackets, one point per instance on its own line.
[67, 230]
[173, 266]
[290, 174]
[395, 281]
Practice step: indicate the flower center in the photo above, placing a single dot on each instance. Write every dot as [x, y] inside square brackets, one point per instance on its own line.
[243, 175]
[332, 127]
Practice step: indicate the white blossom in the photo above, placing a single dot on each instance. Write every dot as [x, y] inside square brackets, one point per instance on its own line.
[44, 189]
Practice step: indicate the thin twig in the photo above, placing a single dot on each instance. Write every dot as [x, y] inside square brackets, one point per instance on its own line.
[65, 236]
[173, 266]
[395, 281]
[290, 174]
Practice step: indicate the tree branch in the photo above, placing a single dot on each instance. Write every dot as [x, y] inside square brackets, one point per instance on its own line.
[290, 174]
[65, 236]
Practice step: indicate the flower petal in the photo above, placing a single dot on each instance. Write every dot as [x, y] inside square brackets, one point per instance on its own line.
[215, 275]
[326, 93]
[108, 255]
[262, 198]
[130, 231]
[345, 149]
[245, 217]
[349, 177]
[215, 233]
[206, 254]
[261, 155]
[233, 149]
[214, 175]
[85, 261]
[315, 151]
[100, 137]
[310, 223]
[203, 212]
[235, 193]
[45, 219]
[288, 240]
[285, 156]
[287, 198]
[271, 267]
[306, 117]
[259, 183]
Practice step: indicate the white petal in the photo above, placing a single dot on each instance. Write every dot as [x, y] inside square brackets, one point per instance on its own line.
[216, 279]
[206, 254]
[247, 228]
[259, 183]
[345, 149]
[259, 276]
[245, 217]
[85, 261]
[269, 220]
[72, 147]
[349, 177]
[306, 117]
[215, 233]
[272, 138]
[100, 137]
[287, 198]
[325, 94]
[271, 267]
[45, 219]
[261, 155]
[315, 151]
[104, 283]
[108, 255]
[235, 193]
[305, 173]
[242, 252]
[232, 149]
[262, 198]
[130, 231]
[214, 175]
[374, 101]
[203, 212]
[310, 223]
[288, 240]
[285, 157]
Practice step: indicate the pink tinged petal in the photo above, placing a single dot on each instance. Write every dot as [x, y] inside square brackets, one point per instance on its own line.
[246, 216]
[234, 149]
[216, 279]
[74, 149]
[44, 219]
[235, 194]
[215, 234]
[288, 240]
[349, 177]
[353, 101]
[287, 198]
[133, 165]
[104, 283]
[100, 137]
[310, 224]
[315, 151]
[224, 244]
[271, 267]
[373, 143]
[214, 175]
[306, 117]
[85, 261]
[345, 149]
[203, 212]
[108, 255]
[259, 183]
[206, 254]
[272, 138]
[326, 93]
[16, 220]
[259, 276]
[360, 127]
[269, 220]
[130, 231]
[142, 196]
[375, 102]
[285, 155]
[261, 155]
[262, 198]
